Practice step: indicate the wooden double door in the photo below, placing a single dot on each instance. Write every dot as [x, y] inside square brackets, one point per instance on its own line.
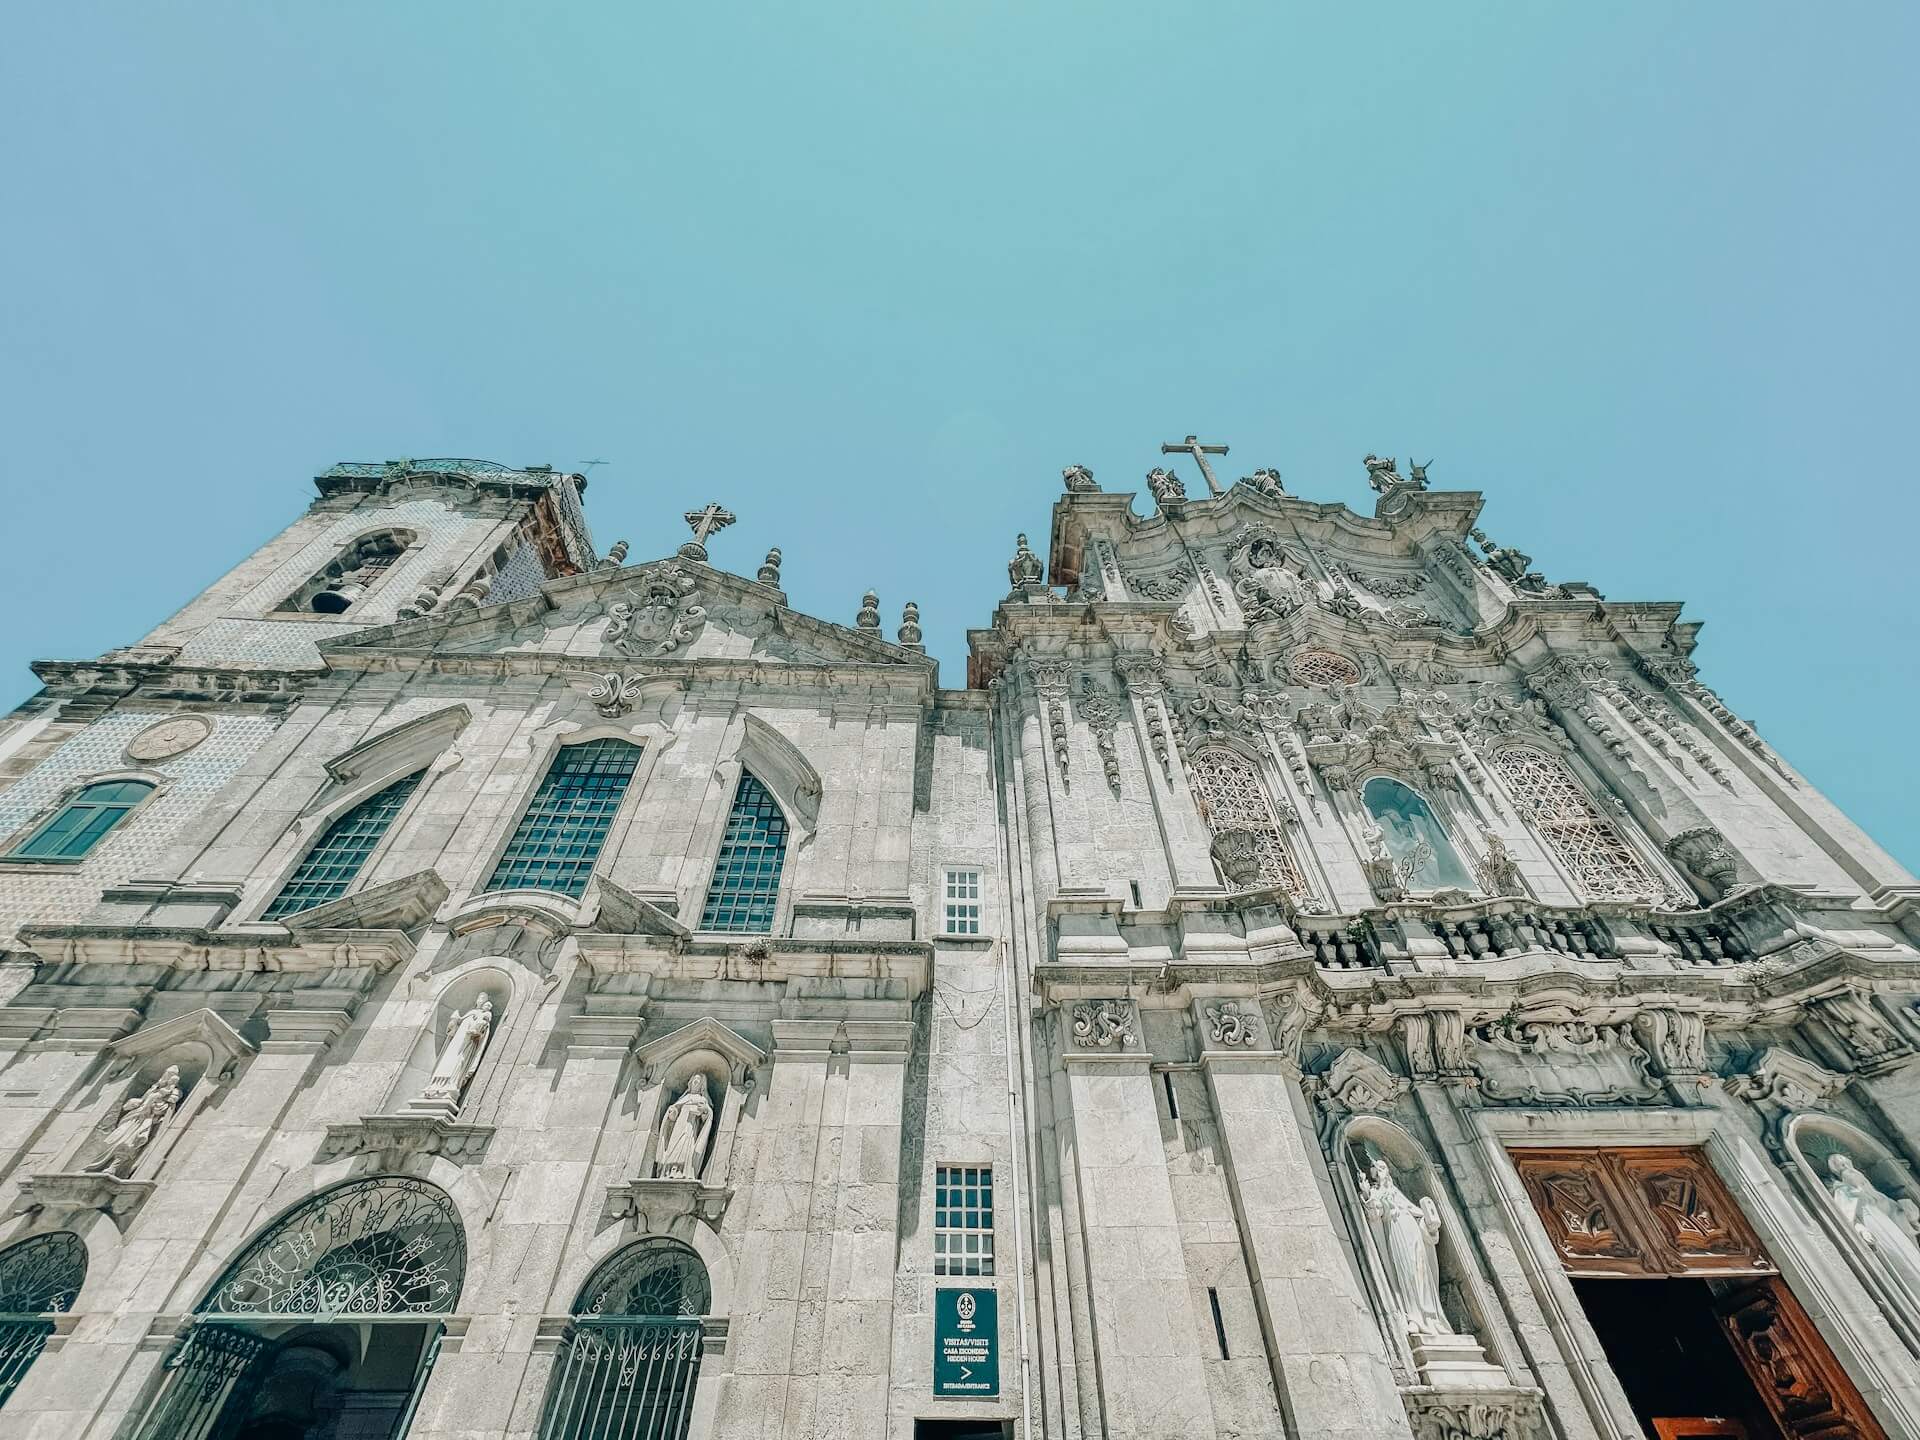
[1649, 1213]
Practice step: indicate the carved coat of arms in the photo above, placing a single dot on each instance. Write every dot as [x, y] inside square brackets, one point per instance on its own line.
[657, 617]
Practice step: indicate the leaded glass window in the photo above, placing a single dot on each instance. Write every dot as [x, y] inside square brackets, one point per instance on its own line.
[963, 1220]
[746, 876]
[1233, 800]
[1422, 853]
[84, 821]
[1594, 851]
[331, 865]
[558, 840]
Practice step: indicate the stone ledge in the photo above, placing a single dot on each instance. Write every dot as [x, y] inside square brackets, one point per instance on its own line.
[656, 1205]
[396, 1137]
[76, 1190]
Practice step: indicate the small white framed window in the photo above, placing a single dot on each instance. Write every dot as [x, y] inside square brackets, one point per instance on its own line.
[963, 1220]
[961, 915]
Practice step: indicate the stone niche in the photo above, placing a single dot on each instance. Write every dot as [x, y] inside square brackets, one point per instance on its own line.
[666, 1191]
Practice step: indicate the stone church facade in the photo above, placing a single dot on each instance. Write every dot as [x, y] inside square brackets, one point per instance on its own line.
[1319, 978]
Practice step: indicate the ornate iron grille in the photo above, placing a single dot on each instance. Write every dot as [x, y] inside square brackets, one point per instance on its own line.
[41, 1276]
[557, 841]
[1601, 861]
[629, 1363]
[627, 1379]
[386, 1246]
[1233, 798]
[746, 876]
[203, 1374]
[38, 1277]
[1323, 667]
[659, 1280]
[329, 868]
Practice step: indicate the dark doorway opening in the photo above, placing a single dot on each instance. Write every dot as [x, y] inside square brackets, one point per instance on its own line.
[332, 1382]
[1670, 1352]
[962, 1429]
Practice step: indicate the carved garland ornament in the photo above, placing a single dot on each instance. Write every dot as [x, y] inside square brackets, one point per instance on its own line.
[1103, 1023]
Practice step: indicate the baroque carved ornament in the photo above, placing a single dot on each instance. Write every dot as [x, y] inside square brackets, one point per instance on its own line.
[658, 615]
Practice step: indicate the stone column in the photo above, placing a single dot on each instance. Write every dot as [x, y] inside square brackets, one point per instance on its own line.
[1329, 1360]
[1152, 1374]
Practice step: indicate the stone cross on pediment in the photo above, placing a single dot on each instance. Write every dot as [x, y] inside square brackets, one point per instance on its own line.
[1192, 446]
[706, 521]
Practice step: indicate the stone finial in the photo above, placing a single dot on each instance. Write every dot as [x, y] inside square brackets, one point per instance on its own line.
[1024, 569]
[910, 627]
[705, 522]
[769, 573]
[1079, 480]
[616, 557]
[869, 616]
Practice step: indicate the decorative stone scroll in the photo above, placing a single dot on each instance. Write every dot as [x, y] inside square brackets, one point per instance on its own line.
[1358, 1082]
[1230, 1024]
[1562, 1062]
[1103, 1024]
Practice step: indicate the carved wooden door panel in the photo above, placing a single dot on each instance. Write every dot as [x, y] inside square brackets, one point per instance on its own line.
[1641, 1211]
[1790, 1365]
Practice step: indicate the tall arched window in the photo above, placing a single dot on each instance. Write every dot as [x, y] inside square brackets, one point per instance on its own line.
[1596, 854]
[1247, 839]
[350, 574]
[558, 839]
[746, 876]
[631, 1357]
[83, 821]
[1414, 838]
[331, 865]
[39, 1278]
[335, 1299]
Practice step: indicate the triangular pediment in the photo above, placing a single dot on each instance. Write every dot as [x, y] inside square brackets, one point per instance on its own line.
[705, 1033]
[666, 612]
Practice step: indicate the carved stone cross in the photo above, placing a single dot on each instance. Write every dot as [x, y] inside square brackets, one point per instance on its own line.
[705, 522]
[1192, 446]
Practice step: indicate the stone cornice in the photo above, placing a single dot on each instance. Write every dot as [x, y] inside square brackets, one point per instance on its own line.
[315, 951]
[766, 962]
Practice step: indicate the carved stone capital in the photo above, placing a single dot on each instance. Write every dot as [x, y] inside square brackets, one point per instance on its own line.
[667, 1207]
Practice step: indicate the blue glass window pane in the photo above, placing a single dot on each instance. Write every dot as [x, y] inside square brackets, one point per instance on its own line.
[84, 820]
[559, 838]
[331, 865]
[746, 877]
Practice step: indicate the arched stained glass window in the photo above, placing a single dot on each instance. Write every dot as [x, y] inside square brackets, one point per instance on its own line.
[746, 876]
[330, 866]
[1598, 856]
[1248, 842]
[629, 1363]
[1420, 848]
[39, 1278]
[84, 821]
[558, 840]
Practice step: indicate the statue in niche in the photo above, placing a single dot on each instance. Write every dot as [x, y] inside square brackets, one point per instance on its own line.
[466, 1042]
[1885, 1227]
[683, 1132]
[140, 1120]
[1409, 1237]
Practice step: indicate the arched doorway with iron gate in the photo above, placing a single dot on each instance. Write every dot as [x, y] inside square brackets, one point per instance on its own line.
[326, 1323]
[39, 1279]
[630, 1360]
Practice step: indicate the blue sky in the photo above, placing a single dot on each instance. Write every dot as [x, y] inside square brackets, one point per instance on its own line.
[870, 274]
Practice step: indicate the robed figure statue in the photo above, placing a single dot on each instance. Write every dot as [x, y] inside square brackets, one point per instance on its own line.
[1885, 1227]
[683, 1132]
[1408, 1236]
[140, 1120]
[466, 1042]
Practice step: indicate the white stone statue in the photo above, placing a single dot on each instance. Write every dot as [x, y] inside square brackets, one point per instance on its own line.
[1409, 1236]
[683, 1132]
[466, 1042]
[140, 1120]
[1885, 1227]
